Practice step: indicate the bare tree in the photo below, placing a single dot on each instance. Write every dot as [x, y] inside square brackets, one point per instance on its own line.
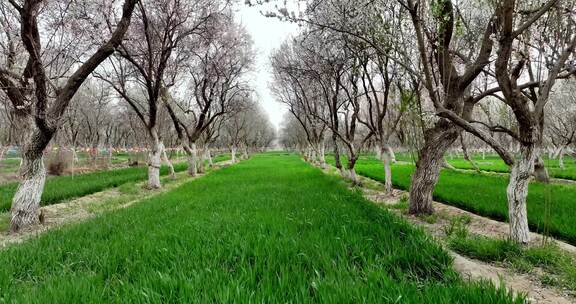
[150, 59]
[526, 100]
[217, 73]
[41, 89]
[560, 123]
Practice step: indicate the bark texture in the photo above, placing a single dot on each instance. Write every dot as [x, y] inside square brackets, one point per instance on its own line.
[154, 162]
[430, 161]
[233, 151]
[517, 192]
[386, 160]
[168, 162]
[26, 202]
[540, 171]
[209, 157]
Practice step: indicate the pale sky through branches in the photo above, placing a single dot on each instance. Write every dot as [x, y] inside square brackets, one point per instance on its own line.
[268, 34]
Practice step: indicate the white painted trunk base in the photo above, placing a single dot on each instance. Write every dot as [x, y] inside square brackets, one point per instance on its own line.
[517, 192]
[200, 162]
[154, 164]
[209, 157]
[386, 159]
[193, 160]
[168, 162]
[322, 155]
[233, 152]
[26, 201]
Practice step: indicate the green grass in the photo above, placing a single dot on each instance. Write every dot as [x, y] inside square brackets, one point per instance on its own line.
[60, 188]
[485, 249]
[493, 163]
[485, 194]
[269, 230]
[9, 165]
[559, 267]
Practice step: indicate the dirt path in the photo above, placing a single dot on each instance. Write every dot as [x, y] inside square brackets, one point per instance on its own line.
[478, 224]
[474, 269]
[528, 284]
[88, 206]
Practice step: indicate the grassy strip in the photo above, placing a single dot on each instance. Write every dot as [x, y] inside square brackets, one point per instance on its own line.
[559, 267]
[60, 188]
[486, 195]
[269, 230]
[496, 164]
[9, 165]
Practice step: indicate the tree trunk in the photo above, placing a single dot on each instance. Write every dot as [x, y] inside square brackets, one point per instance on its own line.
[352, 158]
[209, 156]
[26, 201]
[233, 152]
[353, 176]
[74, 160]
[201, 168]
[154, 162]
[193, 160]
[168, 162]
[386, 160]
[430, 161]
[337, 161]
[540, 171]
[321, 154]
[313, 156]
[561, 158]
[391, 154]
[378, 151]
[245, 152]
[517, 192]
[110, 156]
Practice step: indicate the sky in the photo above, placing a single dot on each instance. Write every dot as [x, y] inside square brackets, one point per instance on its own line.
[268, 34]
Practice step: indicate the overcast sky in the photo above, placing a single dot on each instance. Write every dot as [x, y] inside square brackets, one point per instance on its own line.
[268, 34]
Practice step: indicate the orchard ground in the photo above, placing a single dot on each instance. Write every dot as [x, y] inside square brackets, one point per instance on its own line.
[284, 230]
[280, 209]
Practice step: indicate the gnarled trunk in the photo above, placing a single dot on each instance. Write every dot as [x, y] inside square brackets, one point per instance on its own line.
[540, 171]
[337, 161]
[209, 157]
[26, 201]
[201, 168]
[517, 192]
[193, 160]
[167, 160]
[350, 168]
[353, 176]
[313, 157]
[430, 161]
